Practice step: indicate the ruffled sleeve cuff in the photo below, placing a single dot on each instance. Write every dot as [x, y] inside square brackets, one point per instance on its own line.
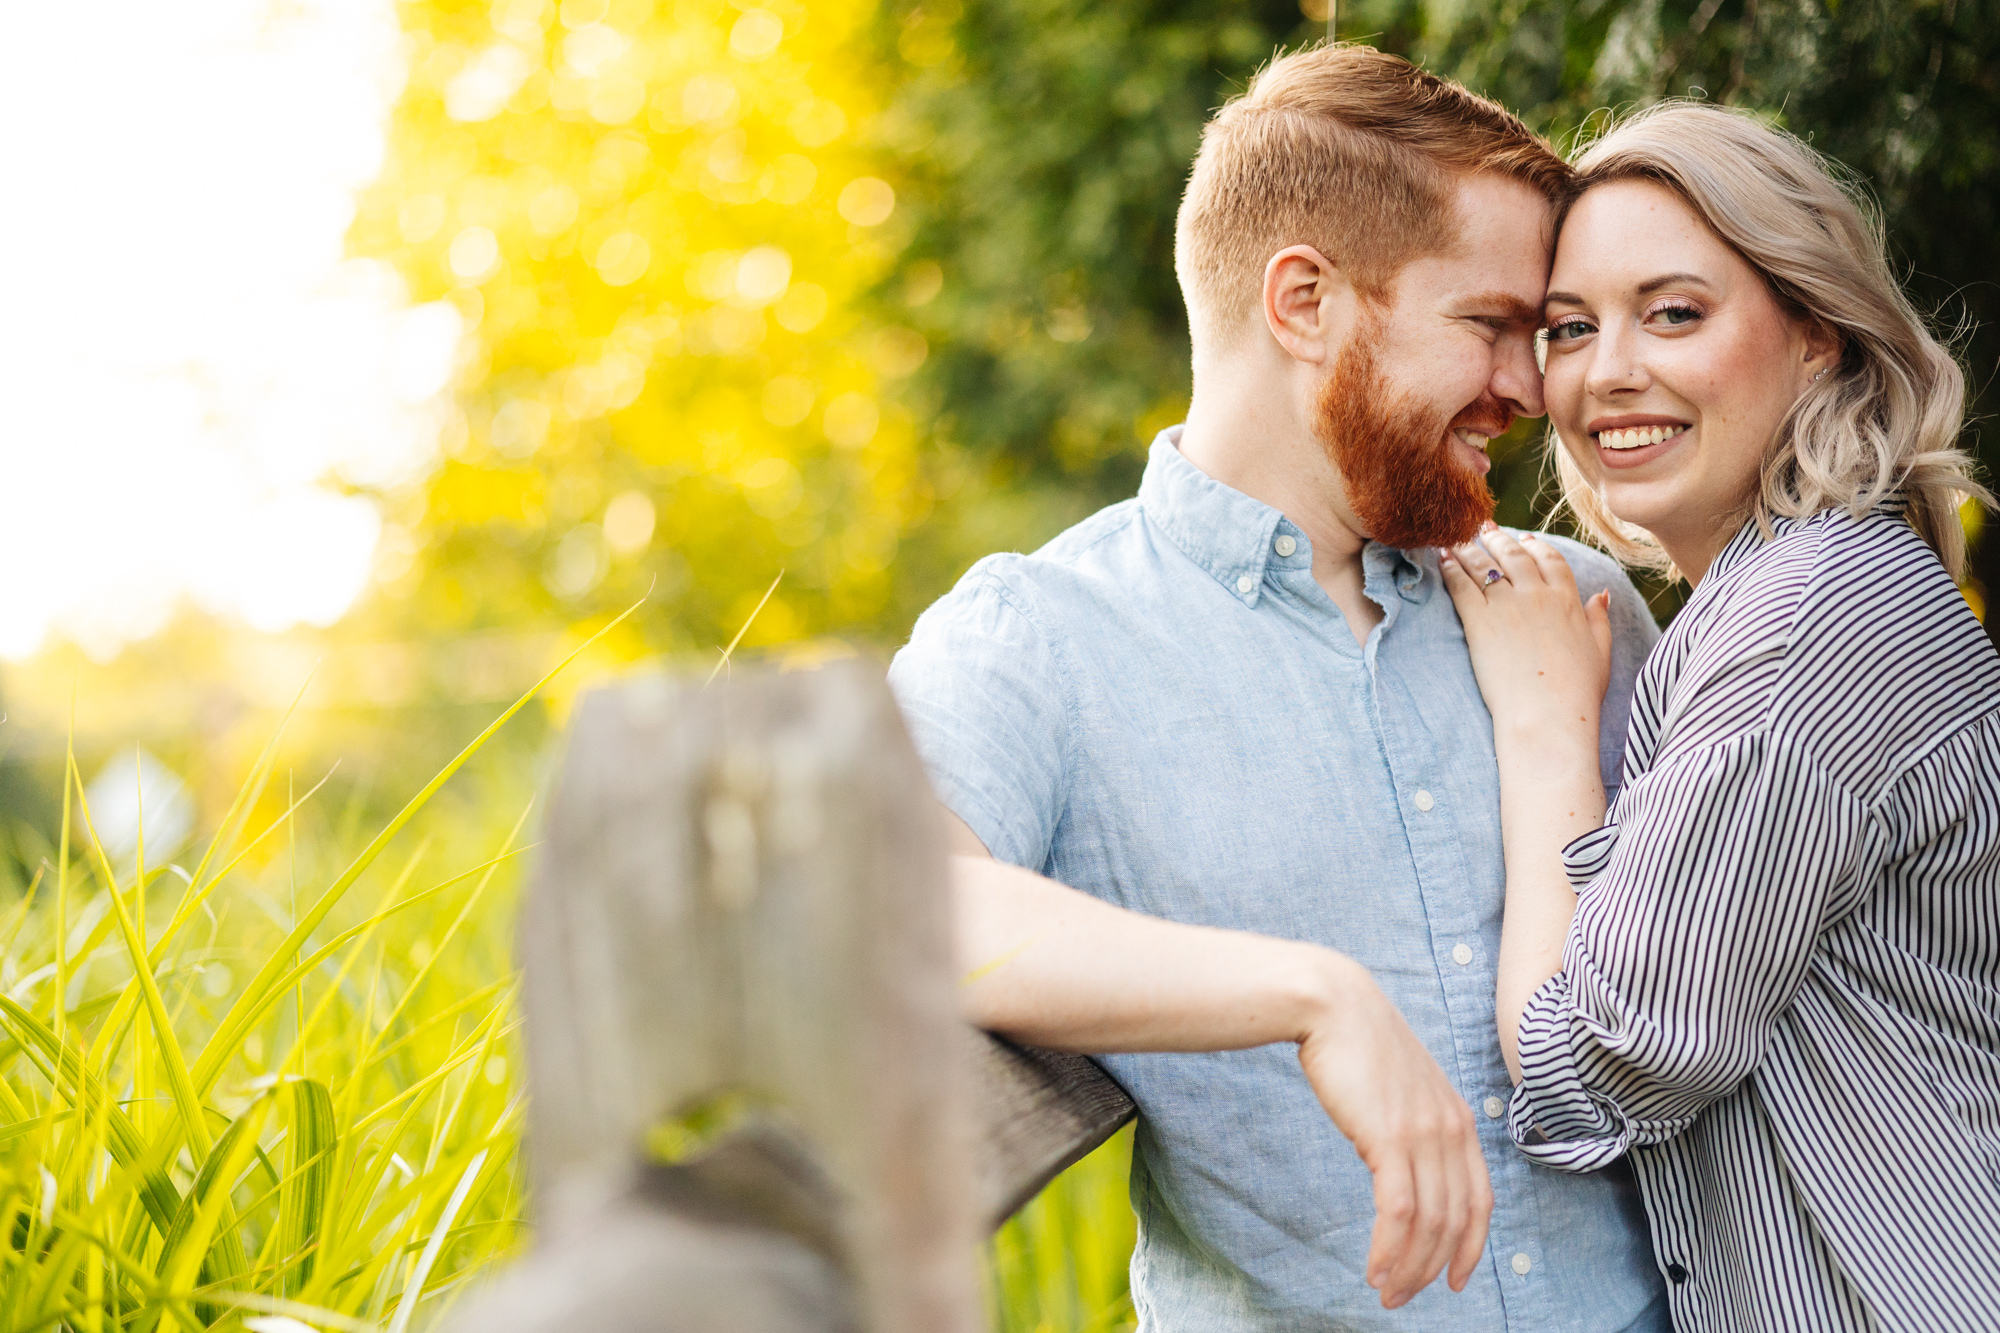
[1553, 1117]
[1585, 858]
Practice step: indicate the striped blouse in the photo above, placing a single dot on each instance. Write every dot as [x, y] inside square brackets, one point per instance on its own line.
[1781, 989]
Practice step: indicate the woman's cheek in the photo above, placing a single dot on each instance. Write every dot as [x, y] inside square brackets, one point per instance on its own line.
[1583, 453]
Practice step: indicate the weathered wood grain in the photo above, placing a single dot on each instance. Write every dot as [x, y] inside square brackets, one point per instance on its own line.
[1038, 1112]
[742, 890]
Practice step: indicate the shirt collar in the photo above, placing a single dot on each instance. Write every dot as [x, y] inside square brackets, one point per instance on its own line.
[1749, 539]
[1236, 539]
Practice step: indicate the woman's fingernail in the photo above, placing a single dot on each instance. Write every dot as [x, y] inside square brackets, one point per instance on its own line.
[1489, 526]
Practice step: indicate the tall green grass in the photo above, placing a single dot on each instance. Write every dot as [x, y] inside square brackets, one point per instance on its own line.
[276, 1088]
[1059, 1265]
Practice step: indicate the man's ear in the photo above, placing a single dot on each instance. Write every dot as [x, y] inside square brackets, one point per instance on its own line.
[1308, 303]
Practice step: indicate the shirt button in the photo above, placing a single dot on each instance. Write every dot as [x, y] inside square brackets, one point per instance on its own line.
[1284, 546]
[1245, 584]
[1522, 1263]
[1495, 1108]
[1676, 1274]
[1461, 954]
[1424, 801]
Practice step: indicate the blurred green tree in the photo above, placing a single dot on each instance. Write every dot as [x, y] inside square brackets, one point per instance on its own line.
[1041, 151]
[866, 290]
[654, 219]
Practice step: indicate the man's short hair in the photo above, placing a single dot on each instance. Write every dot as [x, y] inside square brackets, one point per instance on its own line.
[1350, 151]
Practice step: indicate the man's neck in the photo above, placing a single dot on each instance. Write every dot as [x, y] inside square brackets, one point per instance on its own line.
[1254, 443]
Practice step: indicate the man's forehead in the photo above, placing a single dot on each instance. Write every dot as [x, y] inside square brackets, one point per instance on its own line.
[1500, 257]
[1507, 286]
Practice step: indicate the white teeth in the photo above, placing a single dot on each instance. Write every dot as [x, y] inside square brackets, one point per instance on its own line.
[1477, 441]
[1637, 437]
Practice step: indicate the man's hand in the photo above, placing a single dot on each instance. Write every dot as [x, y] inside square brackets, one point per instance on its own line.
[1414, 1132]
[1046, 964]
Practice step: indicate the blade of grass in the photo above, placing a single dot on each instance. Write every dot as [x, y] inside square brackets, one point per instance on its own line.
[413, 1292]
[240, 1019]
[186, 1101]
[181, 1261]
[132, 996]
[262, 1304]
[61, 1001]
[302, 1200]
[451, 1062]
[215, 1166]
[126, 1144]
[741, 632]
[210, 1063]
[465, 910]
[246, 800]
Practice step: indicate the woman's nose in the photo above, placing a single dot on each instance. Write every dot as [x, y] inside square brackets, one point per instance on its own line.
[1615, 367]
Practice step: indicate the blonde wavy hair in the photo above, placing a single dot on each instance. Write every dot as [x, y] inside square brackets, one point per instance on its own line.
[1887, 421]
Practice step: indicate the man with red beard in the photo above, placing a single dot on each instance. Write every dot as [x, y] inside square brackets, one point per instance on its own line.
[1220, 774]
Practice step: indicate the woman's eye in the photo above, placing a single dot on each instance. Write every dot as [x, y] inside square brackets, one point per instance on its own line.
[1568, 330]
[1675, 315]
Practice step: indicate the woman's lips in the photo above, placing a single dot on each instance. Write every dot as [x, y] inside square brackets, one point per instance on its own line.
[1629, 452]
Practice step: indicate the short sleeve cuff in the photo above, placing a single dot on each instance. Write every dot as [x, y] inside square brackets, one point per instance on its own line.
[1007, 840]
[1553, 1118]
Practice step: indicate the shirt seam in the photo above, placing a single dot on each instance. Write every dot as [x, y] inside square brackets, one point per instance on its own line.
[1167, 524]
[1071, 707]
[1069, 561]
[1930, 750]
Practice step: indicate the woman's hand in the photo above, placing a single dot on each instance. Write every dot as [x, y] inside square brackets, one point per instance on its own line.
[1542, 655]
[1543, 658]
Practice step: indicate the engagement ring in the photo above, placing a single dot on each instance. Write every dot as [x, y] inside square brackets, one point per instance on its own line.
[1494, 576]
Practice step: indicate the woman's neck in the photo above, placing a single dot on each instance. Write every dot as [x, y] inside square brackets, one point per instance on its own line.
[1693, 551]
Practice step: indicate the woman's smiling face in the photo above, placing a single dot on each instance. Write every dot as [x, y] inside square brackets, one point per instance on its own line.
[1670, 365]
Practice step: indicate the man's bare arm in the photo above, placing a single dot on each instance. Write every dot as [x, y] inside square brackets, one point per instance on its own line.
[1047, 964]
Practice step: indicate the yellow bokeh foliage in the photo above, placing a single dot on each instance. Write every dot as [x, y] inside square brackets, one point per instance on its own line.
[658, 222]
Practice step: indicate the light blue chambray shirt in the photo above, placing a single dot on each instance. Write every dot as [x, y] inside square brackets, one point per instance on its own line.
[1162, 708]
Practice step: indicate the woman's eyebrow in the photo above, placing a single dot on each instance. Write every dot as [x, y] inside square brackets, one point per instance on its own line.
[1646, 288]
[1670, 280]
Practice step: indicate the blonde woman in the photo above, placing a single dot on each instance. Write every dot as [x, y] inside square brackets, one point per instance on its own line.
[1771, 972]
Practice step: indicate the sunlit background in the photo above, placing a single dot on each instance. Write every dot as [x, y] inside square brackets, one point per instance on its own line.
[196, 370]
[375, 354]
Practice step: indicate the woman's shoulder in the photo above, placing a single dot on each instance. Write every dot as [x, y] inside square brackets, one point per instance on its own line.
[1876, 651]
[1864, 576]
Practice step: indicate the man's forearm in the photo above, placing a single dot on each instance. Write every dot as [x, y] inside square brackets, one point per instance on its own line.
[1050, 965]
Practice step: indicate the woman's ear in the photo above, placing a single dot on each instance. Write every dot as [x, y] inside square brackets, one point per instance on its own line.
[1308, 303]
[1824, 348]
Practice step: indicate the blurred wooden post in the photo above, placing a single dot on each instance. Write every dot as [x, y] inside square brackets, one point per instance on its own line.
[742, 892]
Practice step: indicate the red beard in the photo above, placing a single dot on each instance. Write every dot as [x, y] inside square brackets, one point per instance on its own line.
[1394, 455]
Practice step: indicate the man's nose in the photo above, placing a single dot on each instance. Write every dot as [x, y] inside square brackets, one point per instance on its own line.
[1517, 380]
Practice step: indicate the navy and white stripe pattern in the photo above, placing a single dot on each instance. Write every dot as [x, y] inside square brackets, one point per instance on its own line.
[1781, 990]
